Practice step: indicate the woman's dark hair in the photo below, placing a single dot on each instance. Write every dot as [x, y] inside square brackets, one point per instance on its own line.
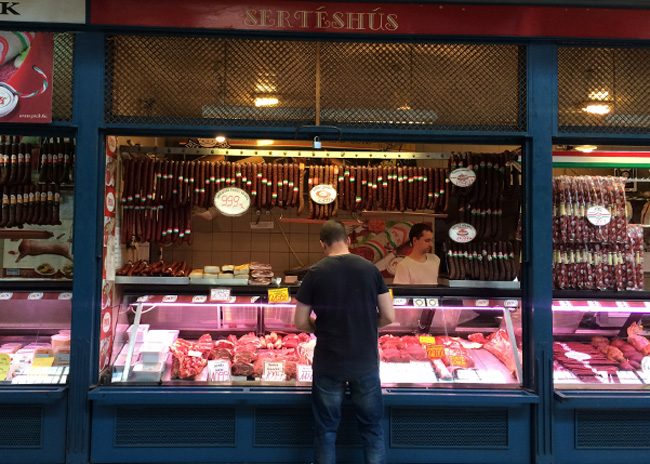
[417, 230]
[333, 231]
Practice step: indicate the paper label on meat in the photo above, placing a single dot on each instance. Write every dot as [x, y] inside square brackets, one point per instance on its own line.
[232, 201]
[462, 177]
[599, 215]
[322, 194]
[462, 232]
[305, 373]
[577, 355]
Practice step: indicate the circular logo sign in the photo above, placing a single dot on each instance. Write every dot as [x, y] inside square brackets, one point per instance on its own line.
[232, 201]
[110, 202]
[170, 298]
[599, 215]
[8, 99]
[6, 296]
[65, 296]
[323, 194]
[462, 233]
[106, 322]
[112, 143]
[199, 298]
[462, 177]
[35, 296]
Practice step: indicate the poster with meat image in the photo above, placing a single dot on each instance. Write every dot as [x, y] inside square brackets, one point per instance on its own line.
[47, 257]
[26, 63]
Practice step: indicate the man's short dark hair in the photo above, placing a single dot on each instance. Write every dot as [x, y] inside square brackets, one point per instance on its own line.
[333, 231]
[417, 230]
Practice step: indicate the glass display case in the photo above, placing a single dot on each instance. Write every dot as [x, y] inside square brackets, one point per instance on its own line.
[34, 337]
[216, 337]
[601, 344]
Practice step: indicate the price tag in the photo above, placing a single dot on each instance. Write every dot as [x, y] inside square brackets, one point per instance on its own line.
[5, 362]
[322, 194]
[432, 302]
[274, 371]
[194, 354]
[577, 355]
[305, 373]
[511, 303]
[462, 232]
[232, 201]
[462, 177]
[43, 362]
[427, 340]
[170, 298]
[435, 351]
[599, 215]
[199, 298]
[458, 361]
[35, 296]
[482, 303]
[219, 370]
[220, 294]
[65, 296]
[279, 295]
[6, 295]
[419, 302]
[400, 302]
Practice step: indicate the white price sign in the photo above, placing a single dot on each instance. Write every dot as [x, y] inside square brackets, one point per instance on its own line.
[170, 298]
[599, 215]
[232, 201]
[462, 177]
[219, 370]
[274, 371]
[199, 298]
[304, 373]
[323, 194]
[220, 294]
[462, 233]
[35, 296]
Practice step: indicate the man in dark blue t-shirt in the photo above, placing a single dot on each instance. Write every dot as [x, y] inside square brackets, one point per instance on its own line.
[351, 301]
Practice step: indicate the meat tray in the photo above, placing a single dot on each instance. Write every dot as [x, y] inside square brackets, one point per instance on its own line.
[152, 280]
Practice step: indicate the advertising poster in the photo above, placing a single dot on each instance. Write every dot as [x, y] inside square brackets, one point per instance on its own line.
[26, 63]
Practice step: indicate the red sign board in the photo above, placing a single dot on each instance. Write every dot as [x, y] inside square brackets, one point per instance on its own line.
[375, 18]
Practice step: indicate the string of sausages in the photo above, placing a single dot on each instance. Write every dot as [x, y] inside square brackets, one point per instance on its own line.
[158, 269]
[24, 202]
[389, 188]
[483, 261]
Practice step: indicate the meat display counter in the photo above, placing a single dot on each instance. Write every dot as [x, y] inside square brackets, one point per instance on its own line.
[219, 338]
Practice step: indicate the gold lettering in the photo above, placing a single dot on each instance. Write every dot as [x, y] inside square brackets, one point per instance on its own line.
[264, 18]
[359, 21]
[250, 20]
[282, 17]
[391, 22]
[337, 20]
[371, 20]
[321, 18]
[303, 17]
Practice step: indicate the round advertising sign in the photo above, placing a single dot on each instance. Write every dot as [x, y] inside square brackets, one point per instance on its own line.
[462, 177]
[323, 194]
[232, 201]
[462, 232]
[8, 99]
[599, 215]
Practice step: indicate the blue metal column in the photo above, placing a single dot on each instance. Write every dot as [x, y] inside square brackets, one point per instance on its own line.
[88, 104]
[538, 241]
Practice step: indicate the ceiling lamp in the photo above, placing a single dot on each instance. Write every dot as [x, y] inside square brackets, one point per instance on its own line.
[266, 101]
[586, 148]
[220, 139]
[599, 103]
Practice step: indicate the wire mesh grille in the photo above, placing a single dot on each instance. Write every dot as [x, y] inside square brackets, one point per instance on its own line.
[276, 426]
[62, 77]
[175, 426]
[618, 78]
[20, 426]
[424, 86]
[625, 429]
[213, 81]
[454, 428]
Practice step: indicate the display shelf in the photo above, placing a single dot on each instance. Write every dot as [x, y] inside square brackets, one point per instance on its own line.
[152, 280]
[49, 285]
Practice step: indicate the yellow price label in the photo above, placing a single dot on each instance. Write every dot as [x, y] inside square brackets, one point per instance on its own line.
[43, 361]
[5, 362]
[435, 351]
[279, 295]
[427, 340]
[458, 361]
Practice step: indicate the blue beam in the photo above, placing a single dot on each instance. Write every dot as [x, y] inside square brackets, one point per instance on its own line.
[88, 99]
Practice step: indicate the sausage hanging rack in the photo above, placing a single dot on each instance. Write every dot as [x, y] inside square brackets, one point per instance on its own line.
[349, 154]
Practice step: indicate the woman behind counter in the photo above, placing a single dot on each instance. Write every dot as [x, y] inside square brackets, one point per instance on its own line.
[421, 266]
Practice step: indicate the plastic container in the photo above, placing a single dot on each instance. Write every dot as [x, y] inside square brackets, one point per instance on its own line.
[148, 372]
[142, 330]
[154, 352]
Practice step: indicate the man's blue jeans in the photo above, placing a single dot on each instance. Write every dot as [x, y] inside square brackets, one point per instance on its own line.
[327, 396]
